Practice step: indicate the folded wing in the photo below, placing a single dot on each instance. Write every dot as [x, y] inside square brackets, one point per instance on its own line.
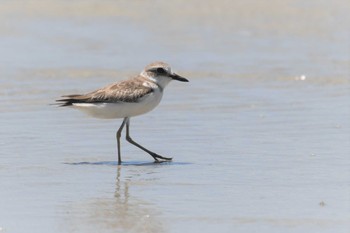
[117, 92]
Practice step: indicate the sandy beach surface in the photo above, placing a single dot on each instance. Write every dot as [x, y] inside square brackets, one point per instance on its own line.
[260, 136]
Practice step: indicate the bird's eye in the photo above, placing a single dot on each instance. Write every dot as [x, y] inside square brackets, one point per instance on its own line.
[161, 71]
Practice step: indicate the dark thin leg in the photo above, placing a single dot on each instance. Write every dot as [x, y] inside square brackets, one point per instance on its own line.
[119, 133]
[129, 139]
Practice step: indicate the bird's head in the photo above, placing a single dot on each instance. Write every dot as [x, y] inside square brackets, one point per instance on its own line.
[161, 73]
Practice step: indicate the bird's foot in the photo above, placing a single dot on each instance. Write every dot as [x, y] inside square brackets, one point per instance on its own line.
[159, 158]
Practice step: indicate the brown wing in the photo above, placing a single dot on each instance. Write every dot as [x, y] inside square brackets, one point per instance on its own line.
[126, 91]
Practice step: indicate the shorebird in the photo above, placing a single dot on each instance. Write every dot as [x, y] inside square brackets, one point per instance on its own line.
[126, 99]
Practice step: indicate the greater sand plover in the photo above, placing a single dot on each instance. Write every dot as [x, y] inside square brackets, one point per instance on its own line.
[126, 99]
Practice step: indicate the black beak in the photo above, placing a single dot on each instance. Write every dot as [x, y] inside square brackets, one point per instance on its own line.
[178, 77]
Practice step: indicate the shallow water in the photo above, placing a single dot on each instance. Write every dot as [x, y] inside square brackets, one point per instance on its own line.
[260, 135]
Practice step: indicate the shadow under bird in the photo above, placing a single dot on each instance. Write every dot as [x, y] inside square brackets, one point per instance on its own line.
[126, 99]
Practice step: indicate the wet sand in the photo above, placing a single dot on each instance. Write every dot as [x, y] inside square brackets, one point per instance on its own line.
[260, 136]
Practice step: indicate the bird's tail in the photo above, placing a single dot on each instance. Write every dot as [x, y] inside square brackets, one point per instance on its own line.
[69, 100]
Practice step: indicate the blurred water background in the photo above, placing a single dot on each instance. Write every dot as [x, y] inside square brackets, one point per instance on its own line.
[260, 136]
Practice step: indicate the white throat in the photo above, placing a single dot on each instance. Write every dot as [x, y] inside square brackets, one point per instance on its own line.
[162, 81]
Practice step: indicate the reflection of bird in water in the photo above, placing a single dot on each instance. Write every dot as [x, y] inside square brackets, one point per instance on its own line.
[121, 212]
[124, 212]
[121, 192]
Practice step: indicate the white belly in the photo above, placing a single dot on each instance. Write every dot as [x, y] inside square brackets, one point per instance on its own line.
[120, 109]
